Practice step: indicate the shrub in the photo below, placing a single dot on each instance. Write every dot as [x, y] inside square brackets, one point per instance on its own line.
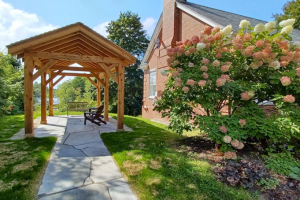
[217, 72]
[281, 163]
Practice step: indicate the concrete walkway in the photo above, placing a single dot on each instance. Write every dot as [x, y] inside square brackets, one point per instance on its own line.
[80, 166]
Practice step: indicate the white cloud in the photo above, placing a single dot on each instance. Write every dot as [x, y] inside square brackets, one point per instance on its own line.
[149, 25]
[17, 24]
[101, 29]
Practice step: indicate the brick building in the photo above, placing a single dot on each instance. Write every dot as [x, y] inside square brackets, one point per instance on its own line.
[180, 20]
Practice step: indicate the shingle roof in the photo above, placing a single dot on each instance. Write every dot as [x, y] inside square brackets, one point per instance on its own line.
[225, 18]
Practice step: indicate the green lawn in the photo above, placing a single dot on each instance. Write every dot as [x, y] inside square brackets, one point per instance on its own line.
[22, 162]
[155, 169]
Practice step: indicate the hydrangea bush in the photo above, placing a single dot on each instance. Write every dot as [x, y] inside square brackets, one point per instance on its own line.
[222, 71]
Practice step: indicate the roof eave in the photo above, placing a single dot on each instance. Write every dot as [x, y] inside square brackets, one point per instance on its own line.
[202, 18]
[182, 7]
[152, 42]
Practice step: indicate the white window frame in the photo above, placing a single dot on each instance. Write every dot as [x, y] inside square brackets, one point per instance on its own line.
[152, 71]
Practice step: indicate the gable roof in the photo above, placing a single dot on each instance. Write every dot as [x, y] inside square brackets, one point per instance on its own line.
[213, 17]
[77, 38]
[153, 39]
[224, 18]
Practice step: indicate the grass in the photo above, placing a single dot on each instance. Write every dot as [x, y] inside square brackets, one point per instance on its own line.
[37, 113]
[195, 132]
[22, 161]
[150, 161]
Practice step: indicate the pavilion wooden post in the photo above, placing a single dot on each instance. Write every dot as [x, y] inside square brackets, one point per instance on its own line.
[121, 77]
[28, 96]
[43, 99]
[98, 94]
[106, 97]
[51, 95]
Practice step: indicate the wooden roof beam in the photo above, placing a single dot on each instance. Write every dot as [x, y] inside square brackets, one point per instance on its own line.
[55, 44]
[95, 45]
[92, 82]
[79, 69]
[37, 62]
[87, 50]
[53, 76]
[108, 72]
[58, 80]
[76, 74]
[80, 51]
[62, 47]
[43, 69]
[98, 78]
[72, 57]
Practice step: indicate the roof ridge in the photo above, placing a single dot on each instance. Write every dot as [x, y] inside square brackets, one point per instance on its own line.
[225, 11]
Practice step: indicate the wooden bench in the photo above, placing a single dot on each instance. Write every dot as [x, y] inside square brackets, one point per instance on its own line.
[77, 106]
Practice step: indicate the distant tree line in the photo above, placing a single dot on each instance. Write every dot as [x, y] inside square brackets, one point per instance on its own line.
[11, 85]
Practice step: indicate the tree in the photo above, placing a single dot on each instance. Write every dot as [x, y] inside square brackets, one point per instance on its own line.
[291, 9]
[128, 33]
[11, 85]
[79, 89]
[36, 90]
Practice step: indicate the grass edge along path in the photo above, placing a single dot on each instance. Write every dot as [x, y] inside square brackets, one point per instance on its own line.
[22, 162]
[154, 168]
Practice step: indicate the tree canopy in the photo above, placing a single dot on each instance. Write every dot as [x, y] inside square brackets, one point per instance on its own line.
[128, 33]
[11, 84]
[291, 9]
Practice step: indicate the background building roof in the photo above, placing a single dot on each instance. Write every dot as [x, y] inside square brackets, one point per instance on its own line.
[225, 18]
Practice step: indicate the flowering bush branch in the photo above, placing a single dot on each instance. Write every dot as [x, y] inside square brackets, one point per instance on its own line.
[221, 71]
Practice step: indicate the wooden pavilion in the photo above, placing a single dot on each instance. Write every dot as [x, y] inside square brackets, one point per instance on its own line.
[53, 52]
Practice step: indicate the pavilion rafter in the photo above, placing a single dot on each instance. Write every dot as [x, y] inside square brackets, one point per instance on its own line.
[72, 57]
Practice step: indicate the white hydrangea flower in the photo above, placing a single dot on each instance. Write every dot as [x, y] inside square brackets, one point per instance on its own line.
[227, 139]
[227, 30]
[164, 72]
[287, 29]
[275, 64]
[288, 22]
[200, 46]
[259, 28]
[244, 24]
[251, 93]
[270, 26]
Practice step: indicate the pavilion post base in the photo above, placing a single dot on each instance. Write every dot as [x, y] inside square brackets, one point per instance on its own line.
[27, 135]
[43, 122]
[119, 130]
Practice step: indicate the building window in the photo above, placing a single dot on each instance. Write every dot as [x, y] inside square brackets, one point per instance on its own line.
[152, 86]
[157, 42]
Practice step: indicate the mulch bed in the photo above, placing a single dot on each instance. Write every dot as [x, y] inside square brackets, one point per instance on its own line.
[244, 172]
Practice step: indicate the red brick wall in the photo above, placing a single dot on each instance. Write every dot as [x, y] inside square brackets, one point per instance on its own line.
[177, 25]
[189, 26]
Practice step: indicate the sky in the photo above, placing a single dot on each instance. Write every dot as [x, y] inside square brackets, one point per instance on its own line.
[20, 19]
